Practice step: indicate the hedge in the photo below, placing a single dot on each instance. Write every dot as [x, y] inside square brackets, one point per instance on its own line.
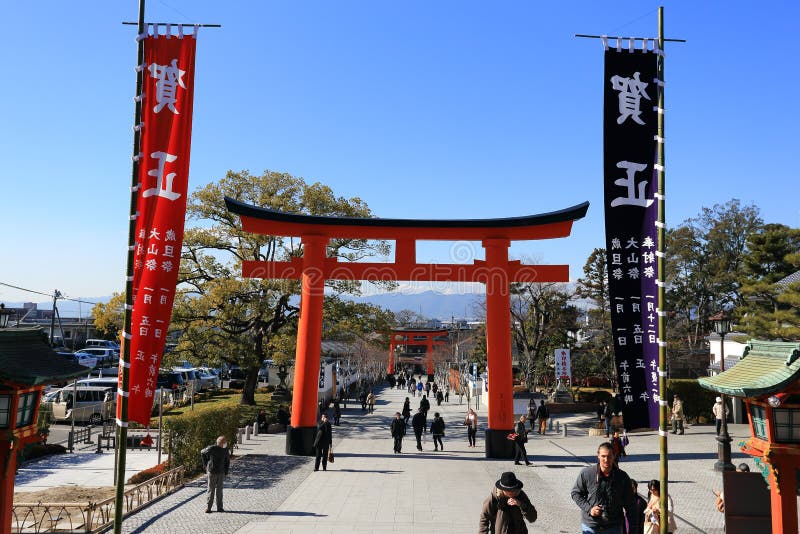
[194, 430]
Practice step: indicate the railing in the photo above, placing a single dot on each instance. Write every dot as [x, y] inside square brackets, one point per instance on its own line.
[91, 517]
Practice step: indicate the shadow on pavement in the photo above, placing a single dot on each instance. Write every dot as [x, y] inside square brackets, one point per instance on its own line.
[144, 526]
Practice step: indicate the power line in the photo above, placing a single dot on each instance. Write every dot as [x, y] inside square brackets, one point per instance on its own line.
[59, 295]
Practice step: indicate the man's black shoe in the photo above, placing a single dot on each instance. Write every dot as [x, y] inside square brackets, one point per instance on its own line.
[208, 510]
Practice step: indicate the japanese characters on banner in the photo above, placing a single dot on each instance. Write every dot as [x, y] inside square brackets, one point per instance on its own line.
[163, 160]
[629, 128]
[563, 365]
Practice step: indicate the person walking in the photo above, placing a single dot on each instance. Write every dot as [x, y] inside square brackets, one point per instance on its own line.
[652, 513]
[677, 414]
[418, 424]
[602, 491]
[337, 412]
[322, 442]
[447, 394]
[601, 409]
[640, 506]
[618, 446]
[608, 413]
[427, 388]
[217, 462]
[720, 413]
[371, 402]
[506, 508]
[439, 397]
[406, 411]
[419, 387]
[542, 414]
[398, 428]
[437, 431]
[425, 404]
[520, 440]
[532, 413]
[471, 420]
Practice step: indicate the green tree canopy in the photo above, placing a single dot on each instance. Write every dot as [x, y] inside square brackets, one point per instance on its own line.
[226, 318]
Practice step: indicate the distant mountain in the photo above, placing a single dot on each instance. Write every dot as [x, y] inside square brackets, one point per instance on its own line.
[431, 304]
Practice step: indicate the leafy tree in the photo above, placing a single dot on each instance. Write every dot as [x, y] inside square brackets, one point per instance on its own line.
[345, 320]
[225, 318]
[705, 265]
[770, 310]
[596, 355]
[109, 317]
[542, 316]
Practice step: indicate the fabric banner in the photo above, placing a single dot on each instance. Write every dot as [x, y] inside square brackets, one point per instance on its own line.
[563, 365]
[164, 147]
[630, 126]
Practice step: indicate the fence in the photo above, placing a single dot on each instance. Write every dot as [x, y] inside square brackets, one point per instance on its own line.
[91, 517]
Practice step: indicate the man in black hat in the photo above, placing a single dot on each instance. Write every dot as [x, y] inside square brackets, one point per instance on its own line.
[506, 509]
[602, 491]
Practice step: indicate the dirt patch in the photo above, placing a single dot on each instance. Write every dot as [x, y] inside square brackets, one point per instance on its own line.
[77, 494]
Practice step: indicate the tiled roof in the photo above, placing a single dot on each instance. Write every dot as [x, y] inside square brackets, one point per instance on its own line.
[767, 367]
[26, 358]
[791, 279]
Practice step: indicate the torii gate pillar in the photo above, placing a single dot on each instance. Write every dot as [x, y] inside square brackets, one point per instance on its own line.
[498, 350]
[300, 434]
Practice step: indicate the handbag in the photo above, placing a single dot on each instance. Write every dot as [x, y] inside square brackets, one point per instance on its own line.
[512, 436]
[330, 454]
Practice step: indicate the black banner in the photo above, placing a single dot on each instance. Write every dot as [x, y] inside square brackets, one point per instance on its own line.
[629, 132]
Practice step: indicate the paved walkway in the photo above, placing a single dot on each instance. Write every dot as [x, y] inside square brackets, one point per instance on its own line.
[370, 489]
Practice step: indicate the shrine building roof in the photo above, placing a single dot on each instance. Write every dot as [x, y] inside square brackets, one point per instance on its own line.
[766, 368]
[26, 358]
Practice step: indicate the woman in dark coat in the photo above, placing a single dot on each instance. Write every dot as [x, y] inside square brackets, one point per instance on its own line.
[322, 442]
[437, 431]
[406, 411]
[519, 441]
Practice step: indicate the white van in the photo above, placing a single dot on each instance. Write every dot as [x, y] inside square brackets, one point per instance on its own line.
[89, 407]
[102, 344]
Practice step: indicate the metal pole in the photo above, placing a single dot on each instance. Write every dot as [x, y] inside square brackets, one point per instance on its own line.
[122, 421]
[723, 462]
[72, 415]
[662, 347]
[160, 421]
[53, 318]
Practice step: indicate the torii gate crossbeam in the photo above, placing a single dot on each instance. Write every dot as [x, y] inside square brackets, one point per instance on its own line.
[496, 271]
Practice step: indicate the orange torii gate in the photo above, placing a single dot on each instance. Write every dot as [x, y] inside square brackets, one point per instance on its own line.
[425, 337]
[496, 271]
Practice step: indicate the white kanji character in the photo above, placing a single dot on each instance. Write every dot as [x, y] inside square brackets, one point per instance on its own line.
[624, 365]
[648, 242]
[148, 393]
[649, 257]
[622, 340]
[633, 273]
[135, 389]
[151, 264]
[158, 333]
[139, 355]
[152, 250]
[625, 377]
[145, 320]
[615, 243]
[631, 91]
[644, 396]
[620, 308]
[168, 79]
[632, 243]
[616, 273]
[163, 186]
[169, 251]
[635, 193]
[649, 272]
[170, 236]
[628, 399]
[162, 299]
[616, 259]
[154, 234]
[640, 363]
[166, 266]
[143, 330]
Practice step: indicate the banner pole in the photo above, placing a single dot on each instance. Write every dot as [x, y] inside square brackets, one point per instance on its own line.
[122, 398]
[662, 346]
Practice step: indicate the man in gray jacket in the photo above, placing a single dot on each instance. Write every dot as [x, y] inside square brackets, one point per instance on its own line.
[216, 461]
[601, 492]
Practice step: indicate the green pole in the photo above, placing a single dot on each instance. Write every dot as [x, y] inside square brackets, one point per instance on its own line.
[122, 397]
[662, 345]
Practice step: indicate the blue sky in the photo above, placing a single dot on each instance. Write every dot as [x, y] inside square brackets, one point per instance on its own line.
[445, 109]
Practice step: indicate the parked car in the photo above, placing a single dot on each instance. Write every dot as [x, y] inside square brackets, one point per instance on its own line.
[238, 377]
[207, 379]
[170, 380]
[90, 405]
[104, 355]
[263, 373]
[102, 343]
[189, 377]
[85, 359]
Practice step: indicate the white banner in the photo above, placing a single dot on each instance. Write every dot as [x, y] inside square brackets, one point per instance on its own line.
[563, 364]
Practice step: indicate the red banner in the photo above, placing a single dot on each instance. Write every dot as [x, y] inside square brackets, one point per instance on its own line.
[165, 142]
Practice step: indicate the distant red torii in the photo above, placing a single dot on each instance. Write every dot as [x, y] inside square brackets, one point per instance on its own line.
[496, 271]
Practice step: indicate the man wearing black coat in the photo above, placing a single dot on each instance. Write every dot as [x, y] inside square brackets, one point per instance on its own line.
[322, 442]
[398, 429]
[602, 491]
[216, 461]
[418, 424]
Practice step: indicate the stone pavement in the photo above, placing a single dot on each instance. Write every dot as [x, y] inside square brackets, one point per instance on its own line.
[370, 489]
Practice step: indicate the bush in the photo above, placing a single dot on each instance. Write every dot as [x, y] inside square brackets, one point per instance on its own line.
[194, 430]
[147, 474]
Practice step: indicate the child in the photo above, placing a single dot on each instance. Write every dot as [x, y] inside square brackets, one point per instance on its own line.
[618, 446]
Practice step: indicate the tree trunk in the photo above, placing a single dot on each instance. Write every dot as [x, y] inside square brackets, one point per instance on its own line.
[249, 390]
